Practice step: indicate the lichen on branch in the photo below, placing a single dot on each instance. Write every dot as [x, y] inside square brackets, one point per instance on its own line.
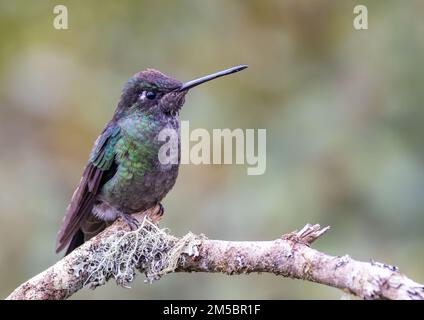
[149, 249]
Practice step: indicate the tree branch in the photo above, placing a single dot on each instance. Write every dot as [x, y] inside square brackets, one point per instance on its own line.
[117, 253]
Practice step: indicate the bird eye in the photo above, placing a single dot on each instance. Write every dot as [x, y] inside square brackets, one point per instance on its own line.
[151, 95]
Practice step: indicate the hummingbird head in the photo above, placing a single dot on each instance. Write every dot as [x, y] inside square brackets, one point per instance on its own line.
[152, 91]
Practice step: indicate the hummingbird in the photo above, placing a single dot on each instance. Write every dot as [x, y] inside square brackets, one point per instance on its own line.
[123, 175]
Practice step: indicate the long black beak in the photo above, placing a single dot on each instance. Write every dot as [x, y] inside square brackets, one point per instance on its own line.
[196, 82]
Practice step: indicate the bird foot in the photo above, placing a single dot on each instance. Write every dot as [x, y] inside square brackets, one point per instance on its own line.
[130, 220]
[161, 209]
[155, 213]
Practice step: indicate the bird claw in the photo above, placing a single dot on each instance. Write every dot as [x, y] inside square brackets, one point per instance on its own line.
[134, 224]
[161, 210]
[131, 221]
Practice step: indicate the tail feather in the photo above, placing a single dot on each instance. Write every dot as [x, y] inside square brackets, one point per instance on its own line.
[77, 240]
[91, 227]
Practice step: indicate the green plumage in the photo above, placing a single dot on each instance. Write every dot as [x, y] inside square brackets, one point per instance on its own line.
[135, 151]
[103, 153]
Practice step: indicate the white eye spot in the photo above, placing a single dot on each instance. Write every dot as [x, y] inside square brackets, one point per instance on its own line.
[142, 96]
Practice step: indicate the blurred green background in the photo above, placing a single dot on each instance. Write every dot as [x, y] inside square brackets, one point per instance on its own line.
[343, 109]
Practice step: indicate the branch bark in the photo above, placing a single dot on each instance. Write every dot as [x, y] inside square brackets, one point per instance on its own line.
[117, 252]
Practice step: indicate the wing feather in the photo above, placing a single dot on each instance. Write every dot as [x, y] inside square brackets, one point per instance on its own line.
[82, 202]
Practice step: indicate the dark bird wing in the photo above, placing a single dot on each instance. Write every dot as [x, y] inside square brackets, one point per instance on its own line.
[100, 166]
